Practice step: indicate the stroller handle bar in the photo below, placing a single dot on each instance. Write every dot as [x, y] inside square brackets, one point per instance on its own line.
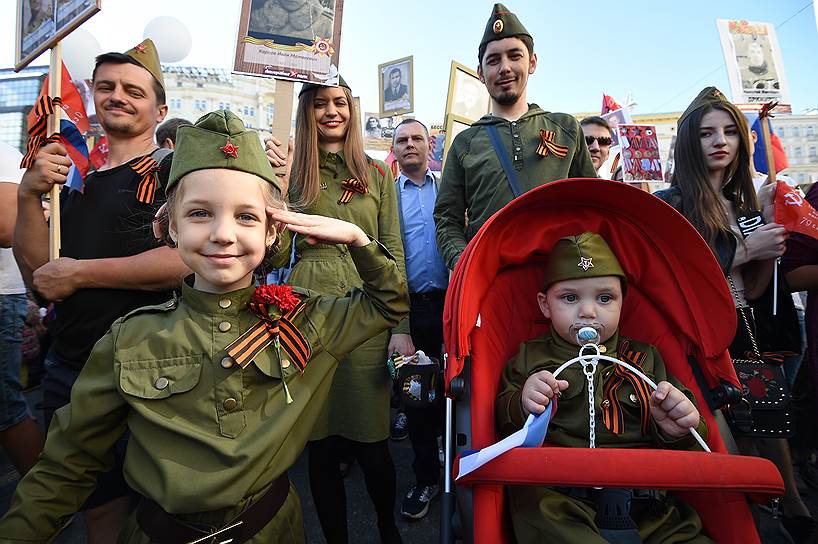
[591, 361]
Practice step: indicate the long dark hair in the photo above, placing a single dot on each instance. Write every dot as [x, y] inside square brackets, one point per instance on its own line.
[700, 201]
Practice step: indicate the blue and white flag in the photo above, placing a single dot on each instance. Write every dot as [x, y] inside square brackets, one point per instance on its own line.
[531, 435]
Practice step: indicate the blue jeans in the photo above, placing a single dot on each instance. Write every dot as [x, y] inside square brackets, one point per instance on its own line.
[13, 407]
[792, 364]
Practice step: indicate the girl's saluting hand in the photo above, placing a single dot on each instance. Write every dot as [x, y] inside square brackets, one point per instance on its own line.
[320, 229]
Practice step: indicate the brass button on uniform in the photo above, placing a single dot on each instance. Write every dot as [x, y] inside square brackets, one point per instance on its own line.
[285, 363]
[225, 303]
[161, 383]
[230, 404]
[606, 403]
[224, 326]
[602, 349]
[227, 362]
[633, 397]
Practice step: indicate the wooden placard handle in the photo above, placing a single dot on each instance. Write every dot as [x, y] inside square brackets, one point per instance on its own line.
[53, 127]
[282, 117]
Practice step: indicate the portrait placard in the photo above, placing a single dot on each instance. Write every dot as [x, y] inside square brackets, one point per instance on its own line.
[640, 153]
[41, 24]
[754, 65]
[467, 97]
[396, 87]
[296, 40]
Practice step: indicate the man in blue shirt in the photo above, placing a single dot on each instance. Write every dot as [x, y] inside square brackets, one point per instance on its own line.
[428, 278]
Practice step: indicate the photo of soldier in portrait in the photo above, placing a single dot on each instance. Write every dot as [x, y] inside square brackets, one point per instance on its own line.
[298, 20]
[395, 82]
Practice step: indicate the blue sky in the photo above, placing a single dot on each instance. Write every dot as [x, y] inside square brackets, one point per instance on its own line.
[659, 50]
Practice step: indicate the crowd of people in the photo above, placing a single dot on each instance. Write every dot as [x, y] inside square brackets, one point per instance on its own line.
[182, 378]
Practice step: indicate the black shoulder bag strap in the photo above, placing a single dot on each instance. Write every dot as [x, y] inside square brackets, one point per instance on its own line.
[511, 174]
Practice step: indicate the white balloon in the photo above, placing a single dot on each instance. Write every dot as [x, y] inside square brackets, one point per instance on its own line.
[79, 49]
[171, 37]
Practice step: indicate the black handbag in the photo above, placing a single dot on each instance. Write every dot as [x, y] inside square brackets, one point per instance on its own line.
[764, 388]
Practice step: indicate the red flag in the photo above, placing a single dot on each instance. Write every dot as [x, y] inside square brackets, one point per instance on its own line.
[609, 104]
[793, 211]
[392, 162]
[99, 154]
[71, 102]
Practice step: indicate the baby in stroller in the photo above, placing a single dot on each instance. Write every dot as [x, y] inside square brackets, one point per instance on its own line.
[584, 286]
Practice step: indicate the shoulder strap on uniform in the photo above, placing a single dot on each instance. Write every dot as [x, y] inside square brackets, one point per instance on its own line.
[502, 154]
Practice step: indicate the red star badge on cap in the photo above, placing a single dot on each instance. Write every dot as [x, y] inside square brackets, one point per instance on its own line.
[230, 150]
[140, 48]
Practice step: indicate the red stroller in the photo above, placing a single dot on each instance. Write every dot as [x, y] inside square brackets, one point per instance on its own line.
[677, 300]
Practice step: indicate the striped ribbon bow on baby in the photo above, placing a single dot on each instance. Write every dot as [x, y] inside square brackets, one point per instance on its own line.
[350, 187]
[612, 414]
[547, 144]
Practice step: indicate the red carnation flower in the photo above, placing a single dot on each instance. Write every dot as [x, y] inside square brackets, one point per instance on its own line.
[281, 296]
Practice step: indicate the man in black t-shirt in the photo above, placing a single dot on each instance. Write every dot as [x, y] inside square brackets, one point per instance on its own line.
[110, 263]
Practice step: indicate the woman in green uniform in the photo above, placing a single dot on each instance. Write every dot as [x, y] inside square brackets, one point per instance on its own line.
[218, 388]
[332, 176]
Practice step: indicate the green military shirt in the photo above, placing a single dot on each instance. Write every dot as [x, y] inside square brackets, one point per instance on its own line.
[376, 213]
[204, 433]
[570, 424]
[540, 513]
[474, 181]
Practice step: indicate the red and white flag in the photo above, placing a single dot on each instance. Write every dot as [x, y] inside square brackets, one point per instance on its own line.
[793, 211]
[72, 103]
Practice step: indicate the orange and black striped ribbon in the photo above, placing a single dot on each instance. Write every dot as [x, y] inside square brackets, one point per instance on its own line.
[547, 144]
[350, 187]
[612, 413]
[37, 132]
[247, 346]
[146, 168]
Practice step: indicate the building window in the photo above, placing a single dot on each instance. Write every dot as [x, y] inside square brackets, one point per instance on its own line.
[178, 83]
[200, 85]
[246, 110]
[796, 132]
[797, 152]
[813, 152]
[201, 105]
[780, 131]
[809, 131]
[802, 178]
[270, 111]
[252, 112]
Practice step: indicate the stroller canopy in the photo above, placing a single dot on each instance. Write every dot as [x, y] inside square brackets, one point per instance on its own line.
[667, 263]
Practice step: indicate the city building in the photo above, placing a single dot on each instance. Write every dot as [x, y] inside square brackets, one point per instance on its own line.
[18, 92]
[192, 92]
[799, 136]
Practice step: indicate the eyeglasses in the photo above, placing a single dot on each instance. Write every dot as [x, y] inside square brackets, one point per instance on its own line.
[603, 140]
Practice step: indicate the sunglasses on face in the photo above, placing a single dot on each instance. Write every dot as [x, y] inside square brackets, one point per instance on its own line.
[603, 140]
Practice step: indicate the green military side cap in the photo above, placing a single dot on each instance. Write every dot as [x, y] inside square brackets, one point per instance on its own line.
[584, 256]
[146, 55]
[310, 86]
[709, 96]
[219, 140]
[502, 24]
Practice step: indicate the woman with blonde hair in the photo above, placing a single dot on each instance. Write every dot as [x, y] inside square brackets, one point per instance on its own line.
[332, 175]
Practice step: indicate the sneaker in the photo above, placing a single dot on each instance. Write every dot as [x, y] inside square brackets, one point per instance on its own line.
[415, 504]
[399, 431]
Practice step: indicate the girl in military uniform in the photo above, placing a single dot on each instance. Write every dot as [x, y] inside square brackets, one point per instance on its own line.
[218, 388]
[332, 176]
